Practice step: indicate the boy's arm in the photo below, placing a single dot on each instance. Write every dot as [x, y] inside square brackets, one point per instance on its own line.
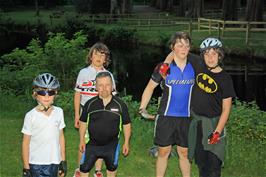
[169, 58]
[77, 96]
[25, 151]
[127, 134]
[62, 145]
[226, 107]
[147, 94]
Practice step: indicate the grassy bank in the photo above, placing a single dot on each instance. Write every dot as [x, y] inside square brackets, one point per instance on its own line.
[246, 155]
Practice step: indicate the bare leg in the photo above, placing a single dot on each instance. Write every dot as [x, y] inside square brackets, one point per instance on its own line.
[162, 160]
[79, 157]
[111, 173]
[98, 164]
[183, 161]
[84, 174]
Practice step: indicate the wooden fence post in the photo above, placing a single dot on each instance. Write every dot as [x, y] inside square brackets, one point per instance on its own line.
[198, 24]
[247, 33]
[210, 25]
[190, 28]
[219, 31]
[223, 28]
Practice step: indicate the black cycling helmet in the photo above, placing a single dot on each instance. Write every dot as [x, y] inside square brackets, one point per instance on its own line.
[47, 81]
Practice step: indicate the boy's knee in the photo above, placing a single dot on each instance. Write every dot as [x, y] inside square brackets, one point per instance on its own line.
[164, 152]
[111, 168]
[182, 152]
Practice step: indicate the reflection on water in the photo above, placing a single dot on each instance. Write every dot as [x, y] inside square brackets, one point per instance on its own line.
[133, 68]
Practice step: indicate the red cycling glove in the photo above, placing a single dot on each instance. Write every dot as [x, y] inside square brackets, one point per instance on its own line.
[214, 138]
[164, 69]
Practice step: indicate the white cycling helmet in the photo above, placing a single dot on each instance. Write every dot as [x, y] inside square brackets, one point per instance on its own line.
[46, 80]
[210, 43]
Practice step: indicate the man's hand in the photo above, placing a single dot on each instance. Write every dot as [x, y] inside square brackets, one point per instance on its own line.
[63, 168]
[146, 115]
[214, 138]
[26, 173]
[164, 69]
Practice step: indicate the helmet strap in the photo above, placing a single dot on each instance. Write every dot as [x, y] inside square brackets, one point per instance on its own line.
[220, 63]
[211, 68]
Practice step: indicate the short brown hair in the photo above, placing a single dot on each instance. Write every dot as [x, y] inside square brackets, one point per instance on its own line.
[179, 35]
[100, 47]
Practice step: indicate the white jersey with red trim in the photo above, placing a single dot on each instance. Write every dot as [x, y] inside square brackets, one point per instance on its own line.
[85, 83]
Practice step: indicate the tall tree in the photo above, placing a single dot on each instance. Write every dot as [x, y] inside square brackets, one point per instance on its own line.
[170, 5]
[37, 8]
[195, 8]
[181, 11]
[254, 10]
[230, 9]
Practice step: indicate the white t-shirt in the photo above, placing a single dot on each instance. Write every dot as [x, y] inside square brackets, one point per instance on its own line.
[85, 83]
[44, 131]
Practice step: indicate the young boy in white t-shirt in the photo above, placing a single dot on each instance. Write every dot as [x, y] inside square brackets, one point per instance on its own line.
[43, 145]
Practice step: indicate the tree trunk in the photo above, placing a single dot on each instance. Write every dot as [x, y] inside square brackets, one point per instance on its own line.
[195, 8]
[153, 3]
[254, 10]
[170, 5]
[230, 9]
[128, 6]
[181, 10]
[37, 8]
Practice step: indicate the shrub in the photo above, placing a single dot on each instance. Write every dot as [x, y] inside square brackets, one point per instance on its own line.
[120, 36]
[59, 56]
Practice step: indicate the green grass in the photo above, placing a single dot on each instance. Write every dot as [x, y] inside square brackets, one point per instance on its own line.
[245, 158]
[137, 164]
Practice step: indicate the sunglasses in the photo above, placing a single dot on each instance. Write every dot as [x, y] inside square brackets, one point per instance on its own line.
[44, 92]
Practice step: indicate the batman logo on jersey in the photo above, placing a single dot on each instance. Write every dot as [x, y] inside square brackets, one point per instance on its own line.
[206, 83]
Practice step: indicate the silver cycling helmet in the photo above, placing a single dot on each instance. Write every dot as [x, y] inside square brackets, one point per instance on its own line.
[46, 80]
[209, 43]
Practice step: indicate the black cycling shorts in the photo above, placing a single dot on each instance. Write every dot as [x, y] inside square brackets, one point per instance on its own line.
[109, 153]
[171, 131]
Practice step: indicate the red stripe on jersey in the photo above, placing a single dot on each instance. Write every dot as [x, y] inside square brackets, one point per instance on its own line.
[88, 93]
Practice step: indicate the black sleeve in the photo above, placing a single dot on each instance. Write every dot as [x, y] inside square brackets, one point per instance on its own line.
[84, 114]
[195, 61]
[125, 114]
[156, 76]
[228, 87]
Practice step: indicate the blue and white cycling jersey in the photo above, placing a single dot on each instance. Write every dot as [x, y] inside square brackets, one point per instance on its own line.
[177, 90]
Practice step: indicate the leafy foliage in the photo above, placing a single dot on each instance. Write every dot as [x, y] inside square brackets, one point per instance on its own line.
[119, 35]
[59, 56]
[65, 100]
[247, 121]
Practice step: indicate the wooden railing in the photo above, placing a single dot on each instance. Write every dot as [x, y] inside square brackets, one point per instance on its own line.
[158, 21]
[222, 26]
